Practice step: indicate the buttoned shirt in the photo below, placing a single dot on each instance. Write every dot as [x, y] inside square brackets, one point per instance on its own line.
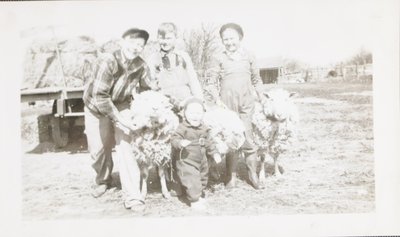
[114, 81]
[175, 74]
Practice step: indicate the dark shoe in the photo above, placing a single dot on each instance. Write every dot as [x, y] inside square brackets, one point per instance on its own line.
[253, 179]
[176, 190]
[99, 190]
[198, 206]
[256, 184]
[138, 208]
[135, 205]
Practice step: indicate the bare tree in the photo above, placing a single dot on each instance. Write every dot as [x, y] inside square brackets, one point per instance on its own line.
[294, 65]
[362, 57]
[201, 44]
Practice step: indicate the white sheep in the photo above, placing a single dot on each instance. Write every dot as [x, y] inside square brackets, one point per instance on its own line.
[274, 122]
[152, 116]
[226, 129]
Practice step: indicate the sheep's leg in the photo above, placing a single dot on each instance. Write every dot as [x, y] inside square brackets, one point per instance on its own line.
[261, 175]
[231, 163]
[145, 174]
[251, 163]
[277, 172]
[163, 182]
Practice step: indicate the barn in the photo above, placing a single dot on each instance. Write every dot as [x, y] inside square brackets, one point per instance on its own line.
[272, 70]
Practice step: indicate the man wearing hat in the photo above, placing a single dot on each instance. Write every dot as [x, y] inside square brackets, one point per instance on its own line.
[115, 78]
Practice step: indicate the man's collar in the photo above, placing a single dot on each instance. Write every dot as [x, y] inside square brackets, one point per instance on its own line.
[121, 58]
[133, 64]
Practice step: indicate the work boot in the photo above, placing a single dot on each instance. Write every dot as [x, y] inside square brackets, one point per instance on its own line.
[251, 165]
[253, 179]
[176, 190]
[135, 205]
[99, 190]
[199, 205]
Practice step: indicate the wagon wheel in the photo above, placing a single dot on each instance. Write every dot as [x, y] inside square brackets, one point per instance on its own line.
[44, 128]
[59, 131]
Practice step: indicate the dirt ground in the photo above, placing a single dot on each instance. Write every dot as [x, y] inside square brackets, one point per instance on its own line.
[330, 169]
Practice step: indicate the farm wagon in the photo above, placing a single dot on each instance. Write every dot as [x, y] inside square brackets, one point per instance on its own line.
[67, 110]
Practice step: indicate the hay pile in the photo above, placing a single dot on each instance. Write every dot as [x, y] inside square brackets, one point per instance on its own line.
[78, 55]
[42, 68]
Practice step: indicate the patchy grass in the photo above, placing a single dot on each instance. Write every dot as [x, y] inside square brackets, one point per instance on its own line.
[330, 169]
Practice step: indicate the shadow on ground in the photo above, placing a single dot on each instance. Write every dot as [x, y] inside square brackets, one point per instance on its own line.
[77, 144]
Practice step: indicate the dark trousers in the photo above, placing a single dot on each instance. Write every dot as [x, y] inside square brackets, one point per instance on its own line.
[193, 179]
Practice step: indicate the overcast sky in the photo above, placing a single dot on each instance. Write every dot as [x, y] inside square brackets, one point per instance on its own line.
[316, 32]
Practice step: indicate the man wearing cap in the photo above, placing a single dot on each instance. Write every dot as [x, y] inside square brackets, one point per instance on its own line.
[115, 78]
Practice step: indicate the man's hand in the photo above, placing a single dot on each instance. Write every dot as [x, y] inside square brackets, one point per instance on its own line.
[259, 92]
[125, 129]
[154, 85]
[125, 125]
[184, 143]
[217, 158]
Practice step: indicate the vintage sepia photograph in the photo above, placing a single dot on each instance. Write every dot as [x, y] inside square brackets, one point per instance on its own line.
[170, 110]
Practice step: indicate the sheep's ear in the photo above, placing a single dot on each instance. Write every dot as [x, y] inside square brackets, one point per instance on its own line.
[265, 93]
[293, 94]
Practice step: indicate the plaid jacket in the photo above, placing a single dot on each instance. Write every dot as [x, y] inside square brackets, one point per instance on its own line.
[114, 82]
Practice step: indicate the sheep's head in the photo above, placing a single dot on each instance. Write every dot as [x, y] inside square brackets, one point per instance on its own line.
[236, 141]
[278, 104]
[139, 122]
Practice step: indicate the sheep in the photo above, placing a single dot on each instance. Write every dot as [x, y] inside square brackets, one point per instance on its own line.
[225, 128]
[147, 147]
[152, 116]
[274, 122]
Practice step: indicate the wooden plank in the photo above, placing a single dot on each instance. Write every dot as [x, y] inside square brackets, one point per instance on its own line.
[44, 90]
[74, 114]
[75, 94]
[50, 93]
[40, 96]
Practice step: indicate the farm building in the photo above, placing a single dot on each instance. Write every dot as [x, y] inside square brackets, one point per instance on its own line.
[357, 72]
[272, 70]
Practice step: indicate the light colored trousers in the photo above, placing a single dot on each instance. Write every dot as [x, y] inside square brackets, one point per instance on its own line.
[102, 135]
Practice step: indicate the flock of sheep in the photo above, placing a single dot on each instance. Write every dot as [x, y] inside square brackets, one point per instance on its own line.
[274, 122]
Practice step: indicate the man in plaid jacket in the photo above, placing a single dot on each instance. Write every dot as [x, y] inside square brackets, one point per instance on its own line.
[116, 77]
